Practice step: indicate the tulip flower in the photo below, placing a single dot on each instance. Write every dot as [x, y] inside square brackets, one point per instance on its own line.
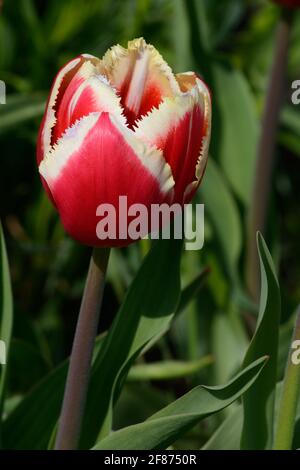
[122, 125]
[288, 3]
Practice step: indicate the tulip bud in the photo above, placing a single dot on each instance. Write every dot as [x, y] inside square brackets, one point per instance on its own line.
[123, 125]
[288, 3]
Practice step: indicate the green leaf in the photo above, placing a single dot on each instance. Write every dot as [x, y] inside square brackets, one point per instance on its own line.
[218, 200]
[168, 370]
[290, 119]
[191, 290]
[166, 426]
[223, 17]
[20, 108]
[145, 314]
[78, 14]
[30, 425]
[6, 314]
[259, 401]
[198, 28]
[180, 32]
[289, 398]
[138, 401]
[227, 435]
[285, 334]
[21, 377]
[289, 135]
[228, 344]
[238, 130]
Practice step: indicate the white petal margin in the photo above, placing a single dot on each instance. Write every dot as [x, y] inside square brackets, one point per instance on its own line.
[202, 160]
[50, 118]
[119, 64]
[58, 157]
[159, 121]
[151, 158]
[104, 96]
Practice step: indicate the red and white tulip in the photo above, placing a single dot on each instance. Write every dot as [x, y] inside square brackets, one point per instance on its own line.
[122, 125]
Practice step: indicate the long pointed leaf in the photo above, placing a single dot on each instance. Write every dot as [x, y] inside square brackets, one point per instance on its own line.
[166, 426]
[259, 401]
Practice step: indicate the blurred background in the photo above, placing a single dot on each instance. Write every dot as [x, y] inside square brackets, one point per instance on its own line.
[231, 44]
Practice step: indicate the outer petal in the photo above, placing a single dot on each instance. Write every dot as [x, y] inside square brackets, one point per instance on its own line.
[141, 77]
[180, 127]
[60, 83]
[95, 162]
[87, 92]
[59, 86]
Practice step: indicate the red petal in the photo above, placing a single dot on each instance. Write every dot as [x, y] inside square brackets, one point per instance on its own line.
[59, 85]
[180, 127]
[87, 93]
[181, 147]
[141, 77]
[101, 166]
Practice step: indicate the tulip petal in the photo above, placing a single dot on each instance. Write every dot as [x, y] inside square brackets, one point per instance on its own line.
[44, 138]
[141, 77]
[59, 86]
[202, 159]
[87, 92]
[96, 161]
[180, 127]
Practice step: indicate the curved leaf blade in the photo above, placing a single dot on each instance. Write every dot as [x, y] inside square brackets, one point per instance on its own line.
[259, 401]
[166, 426]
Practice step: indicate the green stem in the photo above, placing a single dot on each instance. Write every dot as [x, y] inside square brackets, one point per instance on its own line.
[264, 165]
[79, 369]
[290, 396]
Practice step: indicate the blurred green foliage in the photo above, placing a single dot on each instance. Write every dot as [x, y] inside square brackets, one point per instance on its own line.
[230, 43]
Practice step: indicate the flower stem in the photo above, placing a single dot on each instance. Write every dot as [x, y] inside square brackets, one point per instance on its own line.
[262, 181]
[289, 397]
[79, 369]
